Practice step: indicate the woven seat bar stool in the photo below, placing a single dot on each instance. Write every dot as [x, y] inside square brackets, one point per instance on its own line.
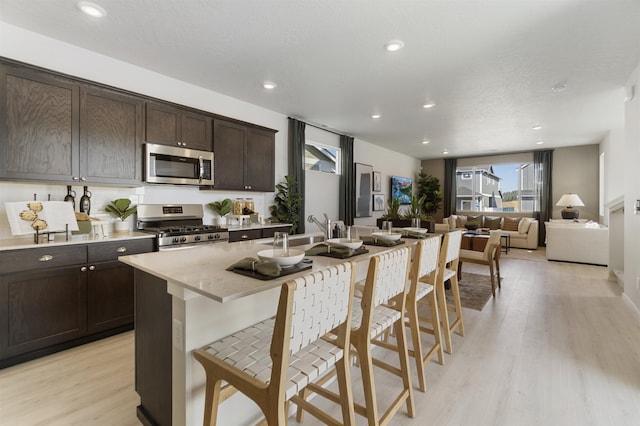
[448, 270]
[490, 257]
[270, 362]
[387, 278]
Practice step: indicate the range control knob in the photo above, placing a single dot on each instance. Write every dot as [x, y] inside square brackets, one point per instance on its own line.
[197, 238]
[175, 240]
[210, 236]
[183, 239]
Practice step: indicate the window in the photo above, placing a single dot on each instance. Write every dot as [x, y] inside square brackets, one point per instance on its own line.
[321, 158]
[503, 187]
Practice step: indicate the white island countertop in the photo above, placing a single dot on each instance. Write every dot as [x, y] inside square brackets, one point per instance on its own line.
[203, 269]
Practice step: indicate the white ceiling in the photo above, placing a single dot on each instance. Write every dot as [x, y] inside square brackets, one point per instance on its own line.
[488, 65]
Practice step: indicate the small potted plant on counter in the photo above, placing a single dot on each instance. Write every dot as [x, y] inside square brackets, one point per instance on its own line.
[222, 209]
[121, 209]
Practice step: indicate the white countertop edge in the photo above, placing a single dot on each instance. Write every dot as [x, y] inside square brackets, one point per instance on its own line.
[26, 242]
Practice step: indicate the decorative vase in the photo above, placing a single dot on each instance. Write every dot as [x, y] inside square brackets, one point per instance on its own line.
[122, 226]
[222, 221]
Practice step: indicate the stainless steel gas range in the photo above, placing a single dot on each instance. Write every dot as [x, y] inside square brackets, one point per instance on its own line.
[178, 225]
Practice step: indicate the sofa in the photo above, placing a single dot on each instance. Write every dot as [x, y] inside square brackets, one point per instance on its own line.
[577, 242]
[523, 231]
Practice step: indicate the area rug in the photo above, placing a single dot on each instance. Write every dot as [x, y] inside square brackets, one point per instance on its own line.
[475, 291]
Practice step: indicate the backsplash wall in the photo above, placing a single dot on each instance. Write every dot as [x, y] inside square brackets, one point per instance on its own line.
[101, 196]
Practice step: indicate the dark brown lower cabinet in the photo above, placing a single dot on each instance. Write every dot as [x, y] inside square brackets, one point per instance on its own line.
[56, 297]
[42, 309]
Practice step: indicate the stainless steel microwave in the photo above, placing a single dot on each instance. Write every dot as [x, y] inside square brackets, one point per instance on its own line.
[181, 166]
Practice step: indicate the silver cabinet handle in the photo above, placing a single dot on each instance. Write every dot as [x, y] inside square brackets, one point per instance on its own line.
[201, 165]
[121, 249]
[92, 268]
[83, 178]
[45, 258]
[76, 178]
[245, 237]
[83, 269]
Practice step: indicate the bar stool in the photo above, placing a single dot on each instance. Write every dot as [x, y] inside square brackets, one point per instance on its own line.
[490, 257]
[386, 280]
[448, 270]
[273, 360]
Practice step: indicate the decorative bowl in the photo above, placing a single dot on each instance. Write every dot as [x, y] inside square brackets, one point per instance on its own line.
[387, 236]
[294, 257]
[345, 242]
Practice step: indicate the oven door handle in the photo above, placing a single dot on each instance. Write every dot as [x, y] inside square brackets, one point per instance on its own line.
[201, 164]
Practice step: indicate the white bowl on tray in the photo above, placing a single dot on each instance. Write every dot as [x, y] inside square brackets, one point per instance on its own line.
[386, 236]
[293, 257]
[345, 242]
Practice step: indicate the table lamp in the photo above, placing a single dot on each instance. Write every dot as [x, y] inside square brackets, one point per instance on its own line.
[569, 201]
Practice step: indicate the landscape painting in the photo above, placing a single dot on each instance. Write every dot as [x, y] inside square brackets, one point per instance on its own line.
[402, 189]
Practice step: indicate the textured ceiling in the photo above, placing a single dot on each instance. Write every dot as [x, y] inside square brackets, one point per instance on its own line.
[488, 65]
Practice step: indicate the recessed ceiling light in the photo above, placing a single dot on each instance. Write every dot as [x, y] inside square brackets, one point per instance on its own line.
[269, 85]
[428, 105]
[539, 142]
[394, 45]
[91, 9]
[560, 87]
[445, 152]
[536, 127]
[426, 141]
[376, 116]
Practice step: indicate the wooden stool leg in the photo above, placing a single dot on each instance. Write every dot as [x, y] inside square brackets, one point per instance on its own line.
[493, 279]
[346, 392]
[404, 365]
[455, 290]
[366, 370]
[444, 314]
[498, 271]
[212, 401]
[435, 323]
[414, 326]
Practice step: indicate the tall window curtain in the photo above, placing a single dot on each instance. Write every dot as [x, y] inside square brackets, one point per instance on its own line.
[543, 162]
[347, 204]
[296, 163]
[449, 202]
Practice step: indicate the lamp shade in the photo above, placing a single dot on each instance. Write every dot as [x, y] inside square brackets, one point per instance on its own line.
[569, 200]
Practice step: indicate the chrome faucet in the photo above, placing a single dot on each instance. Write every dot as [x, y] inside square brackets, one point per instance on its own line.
[324, 227]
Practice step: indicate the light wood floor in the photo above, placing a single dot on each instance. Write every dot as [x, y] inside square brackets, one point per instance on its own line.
[558, 346]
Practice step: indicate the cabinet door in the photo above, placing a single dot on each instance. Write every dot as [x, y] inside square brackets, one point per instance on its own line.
[162, 124]
[38, 126]
[40, 309]
[259, 160]
[196, 131]
[268, 232]
[247, 234]
[110, 137]
[228, 149]
[110, 296]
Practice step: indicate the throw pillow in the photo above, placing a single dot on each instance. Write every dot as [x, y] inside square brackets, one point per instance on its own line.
[492, 222]
[472, 223]
[510, 224]
[460, 221]
[523, 226]
[451, 221]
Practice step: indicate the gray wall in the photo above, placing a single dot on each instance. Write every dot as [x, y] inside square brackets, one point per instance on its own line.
[576, 170]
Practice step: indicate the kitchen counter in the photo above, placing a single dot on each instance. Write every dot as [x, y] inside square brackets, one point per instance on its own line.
[205, 303]
[232, 228]
[26, 241]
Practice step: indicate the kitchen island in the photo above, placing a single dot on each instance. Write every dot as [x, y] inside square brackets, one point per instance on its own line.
[186, 299]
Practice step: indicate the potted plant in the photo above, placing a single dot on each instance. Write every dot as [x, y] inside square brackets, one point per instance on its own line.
[288, 204]
[429, 187]
[222, 209]
[121, 209]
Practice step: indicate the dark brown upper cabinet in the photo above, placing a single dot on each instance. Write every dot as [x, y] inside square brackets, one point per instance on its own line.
[244, 156]
[111, 129]
[168, 125]
[56, 129]
[39, 126]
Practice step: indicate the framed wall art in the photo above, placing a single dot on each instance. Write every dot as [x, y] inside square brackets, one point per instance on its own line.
[377, 181]
[363, 187]
[378, 202]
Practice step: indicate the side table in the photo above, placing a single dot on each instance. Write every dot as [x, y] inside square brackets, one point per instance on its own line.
[507, 239]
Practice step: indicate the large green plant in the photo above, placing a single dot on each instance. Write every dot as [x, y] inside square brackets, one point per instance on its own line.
[429, 188]
[393, 209]
[288, 204]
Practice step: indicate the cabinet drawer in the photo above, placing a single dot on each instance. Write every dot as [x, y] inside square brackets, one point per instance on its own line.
[101, 252]
[249, 234]
[42, 258]
[268, 232]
